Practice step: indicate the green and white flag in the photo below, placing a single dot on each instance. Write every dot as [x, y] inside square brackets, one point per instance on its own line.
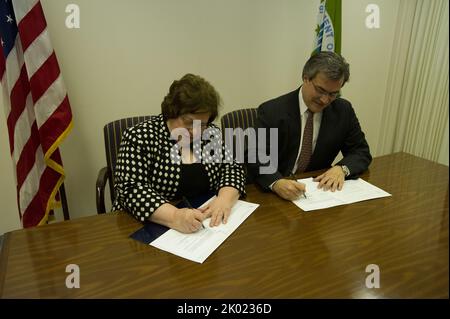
[328, 29]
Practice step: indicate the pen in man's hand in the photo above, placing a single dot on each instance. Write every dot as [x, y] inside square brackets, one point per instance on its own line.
[292, 177]
[188, 204]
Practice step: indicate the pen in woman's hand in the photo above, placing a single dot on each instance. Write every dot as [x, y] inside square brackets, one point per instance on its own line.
[188, 204]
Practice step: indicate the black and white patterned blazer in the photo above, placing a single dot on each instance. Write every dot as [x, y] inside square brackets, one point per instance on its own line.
[148, 168]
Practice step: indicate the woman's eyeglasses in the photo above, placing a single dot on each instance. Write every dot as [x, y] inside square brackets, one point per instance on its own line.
[188, 123]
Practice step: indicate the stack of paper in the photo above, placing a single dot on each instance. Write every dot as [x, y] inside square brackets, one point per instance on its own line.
[198, 246]
[352, 191]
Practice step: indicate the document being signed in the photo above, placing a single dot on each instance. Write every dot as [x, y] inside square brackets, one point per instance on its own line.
[199, 245]
[353, 191]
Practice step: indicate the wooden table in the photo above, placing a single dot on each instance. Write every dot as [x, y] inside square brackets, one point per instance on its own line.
[278, 252]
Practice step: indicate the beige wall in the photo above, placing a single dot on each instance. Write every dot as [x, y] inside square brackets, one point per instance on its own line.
[9, 215]
[126, 54]
[443, 157]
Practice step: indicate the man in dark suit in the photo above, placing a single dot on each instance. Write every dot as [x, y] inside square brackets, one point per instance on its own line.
[313, 124]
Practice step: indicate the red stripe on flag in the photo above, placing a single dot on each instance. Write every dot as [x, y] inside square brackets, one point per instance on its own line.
[55, 125]
[18, 102]
[56, 157]
[32, 25]
[28, 156]
[44, 77]
[34, 213]
[31, 28]
[2, 65]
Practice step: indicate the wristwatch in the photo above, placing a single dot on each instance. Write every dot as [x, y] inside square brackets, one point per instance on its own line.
[345, 170]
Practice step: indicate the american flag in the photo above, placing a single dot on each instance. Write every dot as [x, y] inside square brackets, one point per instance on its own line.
[37, 108]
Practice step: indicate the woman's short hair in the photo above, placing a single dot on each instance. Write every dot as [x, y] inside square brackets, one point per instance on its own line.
[190, 94]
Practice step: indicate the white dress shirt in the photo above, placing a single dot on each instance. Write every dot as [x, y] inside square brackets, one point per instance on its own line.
[304, 117]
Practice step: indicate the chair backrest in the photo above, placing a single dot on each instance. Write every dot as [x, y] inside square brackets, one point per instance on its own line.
[113, 135]
[243, 118]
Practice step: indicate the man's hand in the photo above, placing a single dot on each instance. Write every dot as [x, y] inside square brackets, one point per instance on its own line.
[187, 220]
[289, 189]
[332, 179]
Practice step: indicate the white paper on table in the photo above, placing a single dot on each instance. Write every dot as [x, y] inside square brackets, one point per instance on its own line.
[199, 245]
[353, 191]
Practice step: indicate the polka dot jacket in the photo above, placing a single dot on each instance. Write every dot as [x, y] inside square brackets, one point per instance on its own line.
[148, 168]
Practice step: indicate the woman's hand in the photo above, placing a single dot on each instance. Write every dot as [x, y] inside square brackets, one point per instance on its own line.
[187, 220]
[220, 208]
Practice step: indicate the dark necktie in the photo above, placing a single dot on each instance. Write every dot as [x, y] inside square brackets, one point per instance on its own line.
[306, 152]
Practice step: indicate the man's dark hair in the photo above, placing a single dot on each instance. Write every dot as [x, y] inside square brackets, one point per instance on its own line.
[331, 64]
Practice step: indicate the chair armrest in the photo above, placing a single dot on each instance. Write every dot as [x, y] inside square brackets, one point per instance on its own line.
[100, 185]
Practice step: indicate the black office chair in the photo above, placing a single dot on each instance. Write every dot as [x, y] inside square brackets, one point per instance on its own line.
[242, 118]
[113, 135]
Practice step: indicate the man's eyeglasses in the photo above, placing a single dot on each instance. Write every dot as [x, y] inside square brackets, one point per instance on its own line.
[322, 92]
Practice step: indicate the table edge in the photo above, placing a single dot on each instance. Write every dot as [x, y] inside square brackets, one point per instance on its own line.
[4, 260]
